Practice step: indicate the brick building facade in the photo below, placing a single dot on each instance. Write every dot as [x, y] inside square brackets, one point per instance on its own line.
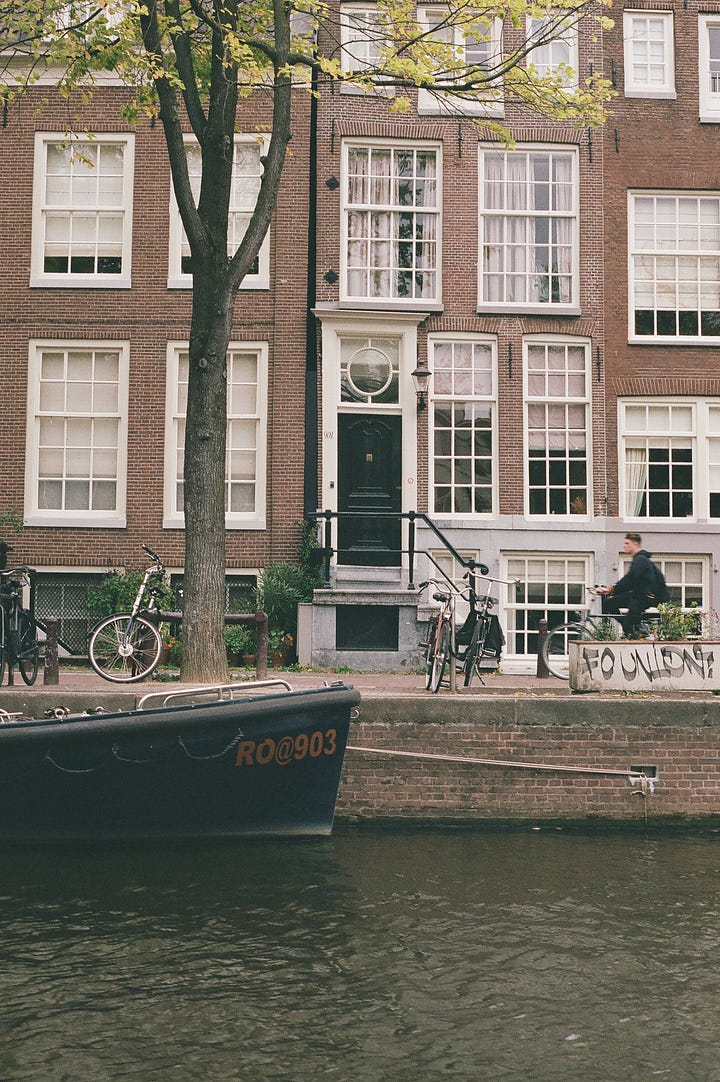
[562, 292]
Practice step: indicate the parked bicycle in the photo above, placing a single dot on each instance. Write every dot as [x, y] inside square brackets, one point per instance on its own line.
[127, 647]
[466, 647]
[18, 632]
[597, 626]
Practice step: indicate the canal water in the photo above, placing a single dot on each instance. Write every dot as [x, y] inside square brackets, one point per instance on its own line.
[372, 955]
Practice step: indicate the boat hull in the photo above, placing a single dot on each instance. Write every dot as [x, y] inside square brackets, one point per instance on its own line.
[268, 765]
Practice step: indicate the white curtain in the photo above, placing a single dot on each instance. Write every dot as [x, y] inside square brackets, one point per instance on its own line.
[635, 479]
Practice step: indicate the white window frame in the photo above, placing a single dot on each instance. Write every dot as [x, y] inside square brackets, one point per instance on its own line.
[360, 29]
[542, 56]
[490, 400]
[661, 436]
[361, 300]
[34, 515]
[444, 561]
[438, 103]
[177, 278]
[489, 246]
[557, 582]
[674, 567]
[709, 83]
[548, 400]
[239, 520]
[703, 259]
[39, 278]
[633, 22]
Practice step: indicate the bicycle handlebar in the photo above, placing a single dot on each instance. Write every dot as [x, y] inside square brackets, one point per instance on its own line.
[17, 571]
[154, 556]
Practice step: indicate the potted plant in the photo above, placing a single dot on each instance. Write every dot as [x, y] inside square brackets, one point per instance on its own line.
[239, 643]
[280, 644]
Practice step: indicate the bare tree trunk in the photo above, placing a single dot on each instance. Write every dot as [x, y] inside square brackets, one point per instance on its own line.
[204, 656]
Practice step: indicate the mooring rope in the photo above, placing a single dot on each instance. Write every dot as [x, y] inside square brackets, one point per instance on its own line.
[635, 777]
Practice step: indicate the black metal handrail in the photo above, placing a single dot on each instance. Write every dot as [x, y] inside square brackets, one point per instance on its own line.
[327, 550]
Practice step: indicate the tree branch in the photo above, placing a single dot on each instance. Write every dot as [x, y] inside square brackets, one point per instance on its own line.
[173, 130]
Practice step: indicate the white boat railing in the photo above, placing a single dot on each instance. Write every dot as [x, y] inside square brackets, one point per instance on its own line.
[218, 692]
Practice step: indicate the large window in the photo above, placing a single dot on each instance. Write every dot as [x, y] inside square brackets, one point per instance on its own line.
[391, 223]
[362, 36]
[246, 178]
[245, 456]
[557, 404]
[82, 220]
[686, 578]
[549, 587]
[463, 413]
[63, 596]
[674, 265]
[659, 450]
[670, 458]
[553, 47]
[649, 54]
[479, 48]
[370, 370]
[709, 67]
[77, 434]
[528, 229]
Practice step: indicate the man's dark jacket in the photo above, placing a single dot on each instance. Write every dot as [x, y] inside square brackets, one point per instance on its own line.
[640, 579]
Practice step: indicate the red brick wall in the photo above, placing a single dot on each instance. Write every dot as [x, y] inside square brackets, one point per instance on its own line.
[377, 787]
[367, 116]
[653, 145]
[148, 316]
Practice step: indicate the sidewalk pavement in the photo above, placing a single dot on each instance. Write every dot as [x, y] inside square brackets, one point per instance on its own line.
[374, 684]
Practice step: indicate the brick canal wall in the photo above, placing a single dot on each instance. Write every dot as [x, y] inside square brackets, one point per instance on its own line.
[679, 739]
[678, 736]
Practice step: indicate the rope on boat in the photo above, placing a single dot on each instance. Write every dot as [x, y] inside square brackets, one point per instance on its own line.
[635, 777]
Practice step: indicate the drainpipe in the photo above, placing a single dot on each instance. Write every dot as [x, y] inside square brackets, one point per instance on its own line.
[311, 461]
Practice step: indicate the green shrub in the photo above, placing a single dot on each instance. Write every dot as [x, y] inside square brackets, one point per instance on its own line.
[676, 623]
[281, 587]
[239, 639]
[116, 593]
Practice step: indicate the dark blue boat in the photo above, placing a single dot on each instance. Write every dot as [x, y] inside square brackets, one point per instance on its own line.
[181, 765]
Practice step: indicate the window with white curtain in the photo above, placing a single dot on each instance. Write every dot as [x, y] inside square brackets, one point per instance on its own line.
[557, 411]
[464, 418]
[553, 46]
[82, 211]
[391, 222]
[709, 67]
[649, 54]
[77, 434]
[658, 454]
[246, 178]
[245, 455]
[674, 243]
[479, 47]
[528, 228]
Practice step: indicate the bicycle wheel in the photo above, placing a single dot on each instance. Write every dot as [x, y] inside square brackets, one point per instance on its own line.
[28, 655]
[125, 650]
[429, 644]
[440, 658]
[555, 650]
[475, 651]
[2, 646]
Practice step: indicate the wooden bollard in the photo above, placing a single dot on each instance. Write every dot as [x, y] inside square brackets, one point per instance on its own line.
[51, 672]
[542, 670]
[261, 632]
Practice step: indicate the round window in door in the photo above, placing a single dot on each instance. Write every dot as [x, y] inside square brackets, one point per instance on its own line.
[369, 370]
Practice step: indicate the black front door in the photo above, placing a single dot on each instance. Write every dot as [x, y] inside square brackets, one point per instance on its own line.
[369, 484]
